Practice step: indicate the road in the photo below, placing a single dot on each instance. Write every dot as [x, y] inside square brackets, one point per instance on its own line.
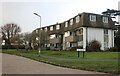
[12, 64]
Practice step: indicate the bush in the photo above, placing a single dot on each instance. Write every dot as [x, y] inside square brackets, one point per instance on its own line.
[94, 45]
[74, 48]
[13, 46]
[113, 49]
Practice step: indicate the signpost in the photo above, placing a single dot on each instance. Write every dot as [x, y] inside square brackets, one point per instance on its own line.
[81, 50]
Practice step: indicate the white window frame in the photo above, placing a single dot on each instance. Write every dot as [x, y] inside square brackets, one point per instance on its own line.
[67, 44]
[36, 31]
[105, 19]
[46, 29]
[67, 34]
[52, 36]
[71, 22]
[105, 31]
[80, 43]
[77, 19]
[57, 27]
[51, 28]
[92, 18]
[66, 24]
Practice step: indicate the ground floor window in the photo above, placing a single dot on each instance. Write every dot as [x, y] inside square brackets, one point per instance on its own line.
[67, 44]
[80, 43]
[73, 44]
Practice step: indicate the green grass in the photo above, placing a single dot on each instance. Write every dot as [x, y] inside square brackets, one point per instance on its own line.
[98, 55]
[96, 61]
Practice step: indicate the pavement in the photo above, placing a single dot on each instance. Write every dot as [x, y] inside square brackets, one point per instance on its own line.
[12, 64]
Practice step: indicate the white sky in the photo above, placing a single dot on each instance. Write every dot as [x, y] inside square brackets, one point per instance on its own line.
[51, 11]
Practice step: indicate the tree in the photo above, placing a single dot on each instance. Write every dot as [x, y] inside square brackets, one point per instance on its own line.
[27, 40]
[111, 12]
[9, 31]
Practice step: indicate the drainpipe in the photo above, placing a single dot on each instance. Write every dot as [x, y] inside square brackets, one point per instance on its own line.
[86, 38]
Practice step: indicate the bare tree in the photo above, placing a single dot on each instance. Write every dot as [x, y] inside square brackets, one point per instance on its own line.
[9, 31]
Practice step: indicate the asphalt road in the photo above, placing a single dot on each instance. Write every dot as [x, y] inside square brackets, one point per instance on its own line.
[12, 64]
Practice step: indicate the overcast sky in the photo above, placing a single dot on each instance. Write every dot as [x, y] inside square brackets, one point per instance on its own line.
[51, 11]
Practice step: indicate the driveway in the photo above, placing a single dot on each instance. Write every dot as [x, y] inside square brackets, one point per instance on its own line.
[12, 64]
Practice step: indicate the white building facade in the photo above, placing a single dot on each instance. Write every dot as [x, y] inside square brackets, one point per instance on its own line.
[79, 31]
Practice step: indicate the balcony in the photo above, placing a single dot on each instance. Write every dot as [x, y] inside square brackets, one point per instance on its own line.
[55, 40]
[74, 38]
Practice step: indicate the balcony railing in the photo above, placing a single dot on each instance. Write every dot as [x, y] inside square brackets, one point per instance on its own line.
[74, 38]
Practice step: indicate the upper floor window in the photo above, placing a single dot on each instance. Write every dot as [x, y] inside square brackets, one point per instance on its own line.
[105, 32]
[92, 17]
[77, 19]
[105, 19]
[36, 31]
[52, 36]
[80, 31]
[66, 24]
[57, 27]
[71, 22]
[46, 29]
[42, 29]
[67, 33]
[51, 28]
[58, 36]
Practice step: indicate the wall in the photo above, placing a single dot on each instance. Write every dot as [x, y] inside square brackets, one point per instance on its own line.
[96, 34]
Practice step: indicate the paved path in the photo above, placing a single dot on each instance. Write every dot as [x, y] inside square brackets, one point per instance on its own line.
[12, 64]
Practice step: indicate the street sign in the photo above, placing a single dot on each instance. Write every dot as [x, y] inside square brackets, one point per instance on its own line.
[81, 50]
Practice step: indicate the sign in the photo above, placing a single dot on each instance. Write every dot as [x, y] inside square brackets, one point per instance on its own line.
[81, 50]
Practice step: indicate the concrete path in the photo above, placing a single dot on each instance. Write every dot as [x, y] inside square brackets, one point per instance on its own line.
[12, 64]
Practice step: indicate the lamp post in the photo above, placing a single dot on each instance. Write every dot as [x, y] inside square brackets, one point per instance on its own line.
[39, 32]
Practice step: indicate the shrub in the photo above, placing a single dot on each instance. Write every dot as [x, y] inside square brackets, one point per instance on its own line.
[74, 48]
[94, 45]
[113, 49]
[13, 46]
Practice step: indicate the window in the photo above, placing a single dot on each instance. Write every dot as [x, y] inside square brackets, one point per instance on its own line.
[46, 29]
[36, 31]
[51, 28]
[57, 27]
[58, 36]
[79, 31]
[41, 29]
[105, 19]
[52, 36]
[66, 24]
[67, 34]
[67, 44]
[92, 17]
[77, 19]
[80, 43]
[73, 44]
[106, 38]
[71, 22]
[105, 31]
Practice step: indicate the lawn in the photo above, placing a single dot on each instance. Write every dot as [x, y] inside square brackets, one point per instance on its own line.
[94, 61]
